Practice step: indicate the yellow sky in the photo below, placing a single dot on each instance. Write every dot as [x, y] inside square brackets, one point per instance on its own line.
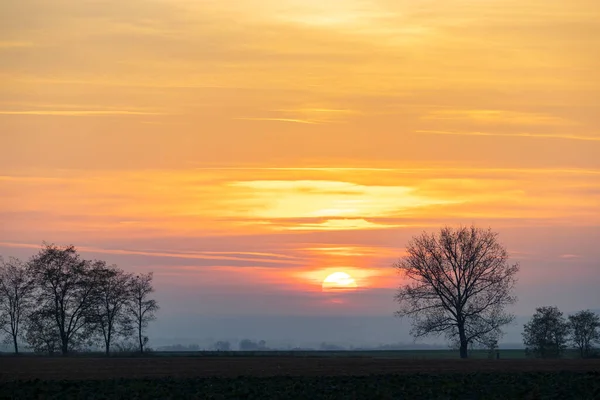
[128, 125]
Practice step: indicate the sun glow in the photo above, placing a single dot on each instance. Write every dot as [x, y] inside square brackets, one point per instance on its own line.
[339, 281]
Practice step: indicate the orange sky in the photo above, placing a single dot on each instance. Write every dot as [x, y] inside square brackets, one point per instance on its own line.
[247, 148]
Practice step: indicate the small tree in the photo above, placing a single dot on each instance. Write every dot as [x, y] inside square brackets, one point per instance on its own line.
[460, 282]
[141, 308]
[108, 313]
[546, 334]
[16, 288]
[492, 348]
[585, 331]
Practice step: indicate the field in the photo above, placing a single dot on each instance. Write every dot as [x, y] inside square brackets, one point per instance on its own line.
[280, 377]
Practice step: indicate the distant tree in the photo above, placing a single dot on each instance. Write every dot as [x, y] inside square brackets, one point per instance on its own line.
[460, 283]
[126, 346]
[546, 334]
[585, 332]
[65, 290]
[331, 347]
[248, 345]
[140, 307]
[16, 289]
[112, 294]
[492, 348]
[222, 346]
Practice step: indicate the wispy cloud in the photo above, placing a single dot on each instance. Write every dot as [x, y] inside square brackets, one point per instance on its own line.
[523, 134]
[77, 113]
[340, 224]
[569, 256]
[294, 120]
[223, 256]
[15, 44]
[502, 117]
[319, 114]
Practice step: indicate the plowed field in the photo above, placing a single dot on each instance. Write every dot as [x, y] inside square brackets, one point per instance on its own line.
[27, 368]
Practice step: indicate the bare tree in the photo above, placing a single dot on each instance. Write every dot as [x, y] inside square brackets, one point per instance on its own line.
[585, 331]
[546, 334]
[141, 307]
[460, 283]
[108, 312]
[15, 298]
[65, 286]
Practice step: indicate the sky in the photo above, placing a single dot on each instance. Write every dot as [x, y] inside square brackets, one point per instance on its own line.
[244, 150]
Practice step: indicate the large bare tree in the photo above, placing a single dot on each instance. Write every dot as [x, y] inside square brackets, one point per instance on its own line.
[15, 298]
[65, 290]
[141, 307]
[458, 284]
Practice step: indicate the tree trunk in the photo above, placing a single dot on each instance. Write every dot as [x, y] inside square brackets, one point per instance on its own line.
[140, 338]
[464, 344]
[65, 347]
[464, 351]
[16, 344]
[107, 344]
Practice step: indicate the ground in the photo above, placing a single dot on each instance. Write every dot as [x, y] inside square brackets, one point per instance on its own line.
[299, 377]
[58, 368]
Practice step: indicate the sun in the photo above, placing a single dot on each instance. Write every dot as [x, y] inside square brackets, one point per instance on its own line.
[339, 281]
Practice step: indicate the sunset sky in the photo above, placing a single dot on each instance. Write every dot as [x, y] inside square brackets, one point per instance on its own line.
[243, 149]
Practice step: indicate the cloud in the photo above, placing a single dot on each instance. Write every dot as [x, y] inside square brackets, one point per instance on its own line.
[223, 256]
[569, 256]
[76, 113]
[501, 117]
[15, 44]
[523, 135]
[252, 201]
[340, 224]
[299, 121]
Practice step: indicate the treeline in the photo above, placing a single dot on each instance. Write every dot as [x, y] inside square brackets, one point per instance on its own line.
[58, 302]
[548, 334]
[261, 345]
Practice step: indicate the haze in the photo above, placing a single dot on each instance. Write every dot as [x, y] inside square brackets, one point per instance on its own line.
[243, 150]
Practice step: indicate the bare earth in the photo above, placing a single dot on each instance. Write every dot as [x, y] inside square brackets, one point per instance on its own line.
[27, 368]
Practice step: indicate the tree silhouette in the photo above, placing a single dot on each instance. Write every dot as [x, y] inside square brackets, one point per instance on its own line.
[15, 298]
[546, 334]
[64, 289]
[108, 313]
[141, 307]
[460, 282]
[585, 331]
